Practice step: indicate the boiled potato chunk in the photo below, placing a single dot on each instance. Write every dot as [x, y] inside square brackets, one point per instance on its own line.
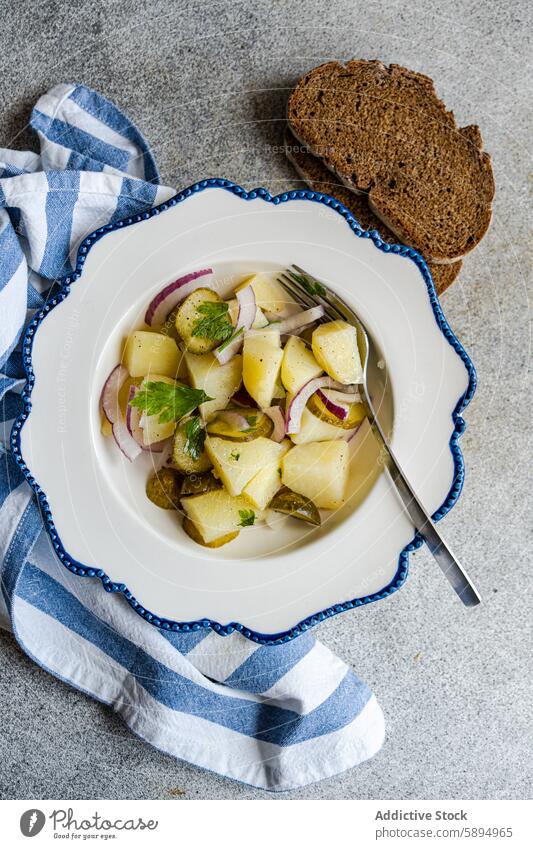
[153, 430]
[216, 514]
[335, 349]
[192, 531]
[314, 429]
[269, 294]
[269, 335]
[298, 365]
[237, 463]
[260, 319]
[262, 488]
[261, 362]
[219, 382]
[146, 353]
[279, 391]
[318, 470]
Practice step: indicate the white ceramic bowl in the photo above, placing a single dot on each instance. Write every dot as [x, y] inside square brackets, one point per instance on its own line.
[270, 584]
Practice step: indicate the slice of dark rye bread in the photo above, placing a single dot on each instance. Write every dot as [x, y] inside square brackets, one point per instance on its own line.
[384, 132]
[320, 179]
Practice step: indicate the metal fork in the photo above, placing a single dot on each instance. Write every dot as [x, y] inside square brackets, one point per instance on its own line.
[308, 291]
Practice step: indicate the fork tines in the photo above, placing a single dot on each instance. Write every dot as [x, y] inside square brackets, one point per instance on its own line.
[307, 291]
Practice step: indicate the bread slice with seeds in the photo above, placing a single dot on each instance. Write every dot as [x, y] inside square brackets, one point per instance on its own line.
[320, 179]
[384, 132]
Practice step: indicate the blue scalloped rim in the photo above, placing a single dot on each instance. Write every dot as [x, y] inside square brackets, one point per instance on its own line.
[459, 424]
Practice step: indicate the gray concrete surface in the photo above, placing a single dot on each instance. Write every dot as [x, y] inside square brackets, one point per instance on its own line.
[207, 83]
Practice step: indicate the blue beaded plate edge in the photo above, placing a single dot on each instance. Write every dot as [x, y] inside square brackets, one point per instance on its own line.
[459, 423]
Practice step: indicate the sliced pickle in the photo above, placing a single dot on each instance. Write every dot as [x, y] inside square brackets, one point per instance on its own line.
[192, 531]
[198, 484]
[295, 505]
[182, 459]
[163, 488]
[188, 314]
[356, 413]
[260, 425]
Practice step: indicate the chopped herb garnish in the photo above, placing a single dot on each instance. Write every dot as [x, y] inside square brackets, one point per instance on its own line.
[235, 455]
[195, 437]
[313, 287]
[172, 401]
[247, 518]
[214, 322]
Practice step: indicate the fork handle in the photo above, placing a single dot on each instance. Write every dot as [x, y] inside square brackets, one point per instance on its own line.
[422, 521]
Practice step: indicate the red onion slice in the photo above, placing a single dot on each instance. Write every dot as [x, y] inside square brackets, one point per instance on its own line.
[338, 410]
[247, 308]
[300, 319]
[109, 397]
[164, 446]
[245, 318]
[125, 440]
[297, 404]
[166, 452]
[344, 397]
[242, 398]
[225, 352]
[276, 414]
[169, 297]
[159, 447]
[133, 419]
[111, 408]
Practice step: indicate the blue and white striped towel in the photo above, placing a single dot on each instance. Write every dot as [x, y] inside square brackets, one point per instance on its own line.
[275, 717]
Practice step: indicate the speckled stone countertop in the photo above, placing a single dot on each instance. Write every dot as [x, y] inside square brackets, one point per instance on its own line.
[207, 83]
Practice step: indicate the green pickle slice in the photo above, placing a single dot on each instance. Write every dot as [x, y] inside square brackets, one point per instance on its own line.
[356, 413]
[198, 484]
[260, 425]
[164, 488]
[295, 505]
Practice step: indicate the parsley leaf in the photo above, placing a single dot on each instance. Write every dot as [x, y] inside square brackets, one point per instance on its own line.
[215, 323]
[172, 401]
[235, 455]
[247, 518]
[195, 437]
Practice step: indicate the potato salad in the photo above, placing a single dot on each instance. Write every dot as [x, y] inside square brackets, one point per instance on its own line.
[248, 402]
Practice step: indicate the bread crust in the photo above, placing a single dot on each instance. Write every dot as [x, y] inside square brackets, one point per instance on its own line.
[383, 131]
[319, 178]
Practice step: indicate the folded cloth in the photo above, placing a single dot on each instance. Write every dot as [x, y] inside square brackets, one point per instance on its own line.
[276, 717]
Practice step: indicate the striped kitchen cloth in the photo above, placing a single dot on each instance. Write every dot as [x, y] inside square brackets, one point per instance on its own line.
[276, 717]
